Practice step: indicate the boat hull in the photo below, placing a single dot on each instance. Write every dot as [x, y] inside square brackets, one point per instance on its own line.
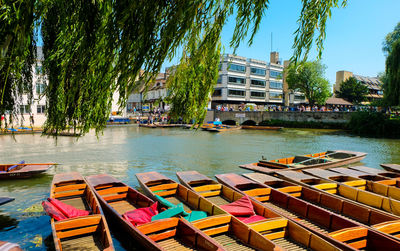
[26, 171]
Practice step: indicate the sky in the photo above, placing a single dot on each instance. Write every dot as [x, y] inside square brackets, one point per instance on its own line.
[354, 35]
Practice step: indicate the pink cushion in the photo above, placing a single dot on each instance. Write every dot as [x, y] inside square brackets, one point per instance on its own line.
[67, 210]
[251, 219]
[141, 215]
[52, 211]
[240, 207]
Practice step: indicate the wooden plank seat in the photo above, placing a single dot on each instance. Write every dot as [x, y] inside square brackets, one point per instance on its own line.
[389, 227]
[218, 200]
[356, 237]
[174, 244]
[231, 243]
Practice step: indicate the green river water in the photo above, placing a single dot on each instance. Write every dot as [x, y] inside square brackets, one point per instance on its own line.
[123, 151]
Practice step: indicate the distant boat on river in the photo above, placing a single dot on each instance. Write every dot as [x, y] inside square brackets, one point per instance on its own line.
[23, 170]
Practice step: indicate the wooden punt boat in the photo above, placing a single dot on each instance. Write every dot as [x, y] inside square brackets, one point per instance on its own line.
[381, 221]
[270, 128]
[168, 125]
[376, 171]
[118, 198]
[391, 167]
[226, 230]
[25, 170]
[275, 226]
[224, 128]
[331, 225]
[148, 125]
[374, 183]
[5, 200]
[346, 187]
[326, 159]
[85, 232]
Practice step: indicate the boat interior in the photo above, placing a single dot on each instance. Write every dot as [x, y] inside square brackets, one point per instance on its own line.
[122, 198]
[174, 234]
[176, 193]
[232, 234]
[82, 233]
[77, 194]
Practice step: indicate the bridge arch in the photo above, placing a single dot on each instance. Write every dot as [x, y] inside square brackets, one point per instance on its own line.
[229, 122]
[249, 122]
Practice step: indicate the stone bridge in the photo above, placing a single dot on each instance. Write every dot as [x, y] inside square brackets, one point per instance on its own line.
[254, 118]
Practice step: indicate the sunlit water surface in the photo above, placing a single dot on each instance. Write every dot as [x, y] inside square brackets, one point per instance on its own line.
[126, 150]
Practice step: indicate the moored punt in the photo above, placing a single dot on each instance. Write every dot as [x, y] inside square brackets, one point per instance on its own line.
[88, 232]
[226, 230]
[270, 128]
[331, 225]
[148, 125]
[224, 128]
[376, 171]
[117, 198]
[343, 186]
[22, 170]
[168, 125]
[375, 183]
[379, 220]
[270, 224]
[5, 200]
[324, 160]
[391, 167]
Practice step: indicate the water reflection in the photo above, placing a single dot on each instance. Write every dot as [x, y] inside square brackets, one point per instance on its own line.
[124, 151]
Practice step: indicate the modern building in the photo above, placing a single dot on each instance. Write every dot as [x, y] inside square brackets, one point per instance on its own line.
[245, 80]
[375, 86]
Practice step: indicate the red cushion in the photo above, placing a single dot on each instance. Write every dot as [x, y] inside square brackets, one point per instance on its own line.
[67, 210]
[240, 207]
[251, 219]
[52, 211]
[141, 215]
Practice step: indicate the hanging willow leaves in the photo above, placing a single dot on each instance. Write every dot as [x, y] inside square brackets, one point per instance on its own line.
[17, 55]
[95, 48]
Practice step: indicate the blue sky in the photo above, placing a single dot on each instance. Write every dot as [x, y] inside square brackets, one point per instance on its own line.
[353, 42]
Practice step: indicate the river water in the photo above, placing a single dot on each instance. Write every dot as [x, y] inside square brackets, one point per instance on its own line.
[123, 151]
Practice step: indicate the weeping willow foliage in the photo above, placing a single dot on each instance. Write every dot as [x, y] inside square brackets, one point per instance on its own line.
[95, 48]
[17, 55]
[392, 83]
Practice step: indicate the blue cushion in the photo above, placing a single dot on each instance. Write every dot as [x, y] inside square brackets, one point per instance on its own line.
[14, 166]
[174, 211]
[164, 201]
[196, 215]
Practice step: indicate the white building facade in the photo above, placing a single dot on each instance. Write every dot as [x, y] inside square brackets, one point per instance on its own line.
[245, 80]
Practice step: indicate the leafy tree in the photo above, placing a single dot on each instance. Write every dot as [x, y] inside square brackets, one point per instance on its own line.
[352, 91]
[390, 39]
[94, 48]
[392, 84]
[308, 78]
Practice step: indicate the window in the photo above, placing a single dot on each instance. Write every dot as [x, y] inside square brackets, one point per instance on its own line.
[299, 97]
[24, 109]
[275, 74]
[236, 93]
[380, 92]
[39, 69]
[235, 80]
[275, 95]
[275, 85]
[258, 82]
[41, 108]
[237, 67]
[257, 71]
[257, 94]
[40, 88]
[219, 81]
[217, 93]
